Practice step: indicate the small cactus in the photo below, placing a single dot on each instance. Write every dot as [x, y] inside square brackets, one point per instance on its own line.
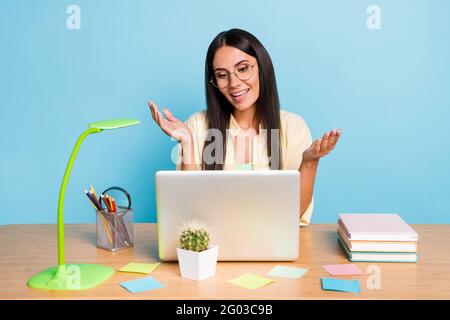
[194, 237]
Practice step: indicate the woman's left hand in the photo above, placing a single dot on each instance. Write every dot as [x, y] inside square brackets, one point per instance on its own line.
[322, 146]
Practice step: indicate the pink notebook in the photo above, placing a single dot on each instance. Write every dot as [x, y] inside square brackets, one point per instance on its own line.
[376, 226]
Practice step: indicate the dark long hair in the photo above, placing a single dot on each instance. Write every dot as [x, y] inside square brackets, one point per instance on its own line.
[219, 109]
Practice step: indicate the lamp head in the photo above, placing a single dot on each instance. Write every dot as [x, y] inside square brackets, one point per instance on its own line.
[113, 124]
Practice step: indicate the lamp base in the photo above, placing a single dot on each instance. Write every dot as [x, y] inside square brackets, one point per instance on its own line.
[71, 277]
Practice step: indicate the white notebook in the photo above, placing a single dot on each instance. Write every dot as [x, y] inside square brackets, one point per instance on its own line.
[378, 246]
[377, 256]
[376, 227]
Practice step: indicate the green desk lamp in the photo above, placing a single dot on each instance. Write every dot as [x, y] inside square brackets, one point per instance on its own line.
[75, 276]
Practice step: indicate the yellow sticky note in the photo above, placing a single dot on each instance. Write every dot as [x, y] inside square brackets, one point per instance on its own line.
[140, 267]
[250, 281]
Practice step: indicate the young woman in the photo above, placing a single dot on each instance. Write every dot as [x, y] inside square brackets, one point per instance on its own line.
[243, 126]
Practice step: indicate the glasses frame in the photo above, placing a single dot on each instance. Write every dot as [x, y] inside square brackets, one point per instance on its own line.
[211, 80]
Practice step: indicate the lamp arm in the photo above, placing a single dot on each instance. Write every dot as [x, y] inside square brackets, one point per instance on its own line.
[63, 191]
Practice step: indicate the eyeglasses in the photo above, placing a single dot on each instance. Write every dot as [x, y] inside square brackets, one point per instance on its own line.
[222, 78]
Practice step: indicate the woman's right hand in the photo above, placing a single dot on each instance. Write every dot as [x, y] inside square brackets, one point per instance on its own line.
[171, 125]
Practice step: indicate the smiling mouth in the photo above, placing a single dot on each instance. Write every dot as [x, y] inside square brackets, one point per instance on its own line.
[240, 96]
[240, 93]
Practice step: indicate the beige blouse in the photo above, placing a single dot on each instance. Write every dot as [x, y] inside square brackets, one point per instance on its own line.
[295, 137]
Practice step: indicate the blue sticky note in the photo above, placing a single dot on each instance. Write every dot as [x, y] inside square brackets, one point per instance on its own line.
[143, 284]
[340, 285]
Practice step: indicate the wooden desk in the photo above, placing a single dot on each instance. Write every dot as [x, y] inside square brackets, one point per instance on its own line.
[28, 249]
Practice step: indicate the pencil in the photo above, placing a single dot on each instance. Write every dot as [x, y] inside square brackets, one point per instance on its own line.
[110, 204]
[92, 190]
[105, 223]
[113, 204]
[92, 200]
[105, 200]
[105, 226]
[94, 195]
[112, 218]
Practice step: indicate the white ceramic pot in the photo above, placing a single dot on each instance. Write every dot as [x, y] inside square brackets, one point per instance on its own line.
[198, 265]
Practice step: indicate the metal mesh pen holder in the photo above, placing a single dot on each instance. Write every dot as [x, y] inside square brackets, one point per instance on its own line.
[115, 229]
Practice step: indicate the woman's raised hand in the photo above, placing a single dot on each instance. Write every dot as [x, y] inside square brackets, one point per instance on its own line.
[322, 146]
[170, 125]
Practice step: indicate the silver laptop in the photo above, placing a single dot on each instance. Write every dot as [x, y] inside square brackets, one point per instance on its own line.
[251, 215]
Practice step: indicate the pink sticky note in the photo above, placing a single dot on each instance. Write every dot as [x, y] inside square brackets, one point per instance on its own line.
[342, 269]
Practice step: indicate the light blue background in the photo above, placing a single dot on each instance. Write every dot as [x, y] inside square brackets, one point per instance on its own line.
[387, 89]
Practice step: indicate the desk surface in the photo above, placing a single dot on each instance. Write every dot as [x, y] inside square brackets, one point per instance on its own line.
[28, 249]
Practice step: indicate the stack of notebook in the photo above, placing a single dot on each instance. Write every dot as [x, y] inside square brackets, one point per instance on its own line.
[379, 237]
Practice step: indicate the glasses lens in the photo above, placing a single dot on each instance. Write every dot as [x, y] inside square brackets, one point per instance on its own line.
[244, 72]
[221, 79]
